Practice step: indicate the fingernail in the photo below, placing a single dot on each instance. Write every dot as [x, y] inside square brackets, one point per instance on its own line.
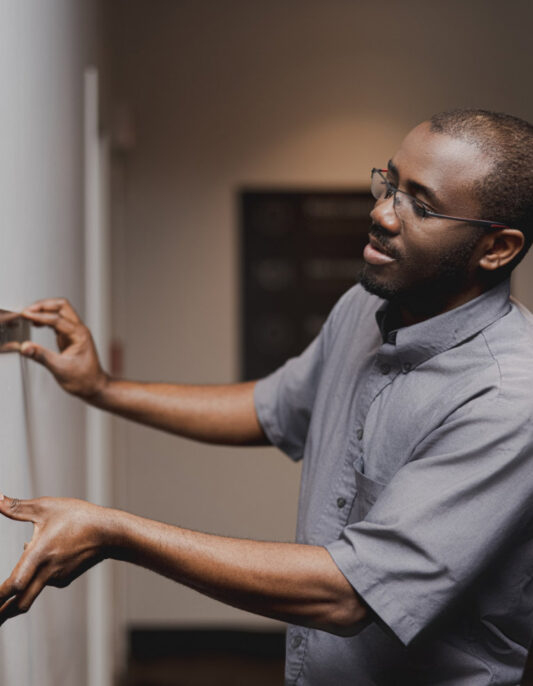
[1, 496]
[26, 349]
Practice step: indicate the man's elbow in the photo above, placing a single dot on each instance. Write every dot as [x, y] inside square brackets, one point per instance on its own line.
[348, 616]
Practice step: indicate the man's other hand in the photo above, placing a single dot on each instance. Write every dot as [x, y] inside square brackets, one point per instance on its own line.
[67, 540]
[76, 366]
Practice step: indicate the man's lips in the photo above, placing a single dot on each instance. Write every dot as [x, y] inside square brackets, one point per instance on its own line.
[375, 253]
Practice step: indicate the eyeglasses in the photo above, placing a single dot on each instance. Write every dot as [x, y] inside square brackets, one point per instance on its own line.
[410, 209]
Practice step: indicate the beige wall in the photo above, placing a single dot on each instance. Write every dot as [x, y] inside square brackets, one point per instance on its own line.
[523, 281]
[244, 92]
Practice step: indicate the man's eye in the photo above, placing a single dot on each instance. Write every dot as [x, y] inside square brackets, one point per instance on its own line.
[419, 208]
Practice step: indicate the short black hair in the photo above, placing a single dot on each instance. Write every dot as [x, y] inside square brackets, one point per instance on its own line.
[506, 192]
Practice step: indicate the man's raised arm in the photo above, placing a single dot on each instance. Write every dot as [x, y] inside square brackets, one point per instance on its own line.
[213, 414]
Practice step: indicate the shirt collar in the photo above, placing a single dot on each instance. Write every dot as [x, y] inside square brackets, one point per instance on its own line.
[418, 342]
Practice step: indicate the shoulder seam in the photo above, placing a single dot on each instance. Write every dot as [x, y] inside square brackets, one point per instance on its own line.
[500, 376]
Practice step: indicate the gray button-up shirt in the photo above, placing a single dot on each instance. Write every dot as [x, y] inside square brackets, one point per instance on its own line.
[418, 479]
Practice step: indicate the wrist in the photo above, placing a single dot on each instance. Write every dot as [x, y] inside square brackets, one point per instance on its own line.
[114, 533]
[108, 531]
[97, 394]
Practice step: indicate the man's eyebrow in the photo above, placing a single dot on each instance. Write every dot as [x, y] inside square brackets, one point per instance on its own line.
[414, 186]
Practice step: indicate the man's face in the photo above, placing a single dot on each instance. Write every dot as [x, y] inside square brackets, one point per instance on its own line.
[427, 258]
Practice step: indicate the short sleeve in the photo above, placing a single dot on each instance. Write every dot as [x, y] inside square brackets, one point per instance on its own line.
[284, 400]
[443, 517]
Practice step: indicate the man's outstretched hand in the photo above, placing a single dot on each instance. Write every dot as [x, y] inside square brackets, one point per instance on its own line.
[68, 539]
[76, 366]
[296, 583]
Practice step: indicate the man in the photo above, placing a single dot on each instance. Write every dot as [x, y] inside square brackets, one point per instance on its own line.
[413, 413]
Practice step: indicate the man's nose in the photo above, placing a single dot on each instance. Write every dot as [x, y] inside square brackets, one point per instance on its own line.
[383, 214]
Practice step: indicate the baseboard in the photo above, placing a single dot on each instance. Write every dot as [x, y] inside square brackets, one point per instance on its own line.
[151, 643]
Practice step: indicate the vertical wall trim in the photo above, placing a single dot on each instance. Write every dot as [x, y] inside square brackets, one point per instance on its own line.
[97, 317]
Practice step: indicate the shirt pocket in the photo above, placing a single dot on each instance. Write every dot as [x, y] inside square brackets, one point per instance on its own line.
[366, 493]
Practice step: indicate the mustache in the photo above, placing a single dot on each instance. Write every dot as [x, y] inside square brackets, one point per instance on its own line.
[383, 237]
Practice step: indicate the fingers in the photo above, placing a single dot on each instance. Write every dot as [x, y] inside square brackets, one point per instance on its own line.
[48, 358]
[21, 577]
[54, 306]
[56, 320]
[10, 347]
[21, 603]
[21, 510]
[19, 591]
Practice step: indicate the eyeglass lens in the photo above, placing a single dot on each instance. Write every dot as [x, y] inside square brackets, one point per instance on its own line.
[406, 207]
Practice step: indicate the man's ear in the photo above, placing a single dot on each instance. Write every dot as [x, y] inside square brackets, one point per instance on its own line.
[500, 248]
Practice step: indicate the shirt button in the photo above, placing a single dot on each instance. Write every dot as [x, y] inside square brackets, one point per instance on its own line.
[407, 367]
[296, 642]
[359, 434]
[341, 502]
[385, 368]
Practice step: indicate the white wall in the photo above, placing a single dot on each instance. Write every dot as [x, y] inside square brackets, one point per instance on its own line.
[44, 46]
[243, 92]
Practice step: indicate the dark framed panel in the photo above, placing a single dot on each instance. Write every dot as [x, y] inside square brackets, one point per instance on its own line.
[299, 252]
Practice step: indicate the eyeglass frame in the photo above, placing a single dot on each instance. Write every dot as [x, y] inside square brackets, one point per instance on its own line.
[391, 188]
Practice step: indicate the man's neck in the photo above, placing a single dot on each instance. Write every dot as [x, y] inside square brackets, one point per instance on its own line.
[412, 310]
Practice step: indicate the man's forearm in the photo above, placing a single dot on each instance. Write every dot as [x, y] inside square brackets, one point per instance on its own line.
[295, 583]
[213, 414]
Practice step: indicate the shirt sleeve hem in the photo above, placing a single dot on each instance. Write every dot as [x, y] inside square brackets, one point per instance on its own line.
[374, 592]
[266, 418]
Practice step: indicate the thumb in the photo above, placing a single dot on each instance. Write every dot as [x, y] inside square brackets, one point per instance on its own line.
[47, 358]
[21, 510]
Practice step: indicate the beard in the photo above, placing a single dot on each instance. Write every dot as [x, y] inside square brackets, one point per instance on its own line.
[426, 282]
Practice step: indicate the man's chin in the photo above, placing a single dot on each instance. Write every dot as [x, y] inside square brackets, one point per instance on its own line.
[373, 285]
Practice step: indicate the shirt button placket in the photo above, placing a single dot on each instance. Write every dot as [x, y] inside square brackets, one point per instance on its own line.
[296, 642]
[295, 654]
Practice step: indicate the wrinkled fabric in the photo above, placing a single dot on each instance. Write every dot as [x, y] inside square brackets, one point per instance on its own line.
[417, 477]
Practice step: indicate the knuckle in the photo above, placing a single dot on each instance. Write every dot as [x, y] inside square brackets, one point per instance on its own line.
[17, 585]
[15, 505]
